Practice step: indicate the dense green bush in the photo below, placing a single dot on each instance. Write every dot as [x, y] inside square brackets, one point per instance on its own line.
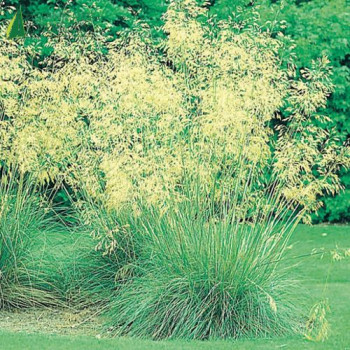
[110, 16]
[198, 276]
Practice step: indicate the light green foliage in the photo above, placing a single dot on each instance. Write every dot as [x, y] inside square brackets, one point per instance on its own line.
[177, 167]
[307, 23]
[317, 27]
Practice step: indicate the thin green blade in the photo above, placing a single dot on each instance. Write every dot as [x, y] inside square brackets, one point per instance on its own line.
[16, 26]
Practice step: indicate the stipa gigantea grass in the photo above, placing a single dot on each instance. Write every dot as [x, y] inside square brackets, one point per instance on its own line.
[207, 271]
[217, 261]
[21, 218]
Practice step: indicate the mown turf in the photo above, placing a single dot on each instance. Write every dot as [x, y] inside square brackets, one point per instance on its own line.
[314, 272]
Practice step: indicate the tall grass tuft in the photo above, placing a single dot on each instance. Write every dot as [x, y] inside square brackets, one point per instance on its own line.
[206, 272]
[21, 218]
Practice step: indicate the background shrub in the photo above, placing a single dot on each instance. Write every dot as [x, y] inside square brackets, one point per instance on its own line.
[318, 27]
[108, 16]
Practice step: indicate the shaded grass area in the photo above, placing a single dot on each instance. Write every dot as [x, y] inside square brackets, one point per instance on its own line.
[71, 270]
[22, 216]
[313, 271]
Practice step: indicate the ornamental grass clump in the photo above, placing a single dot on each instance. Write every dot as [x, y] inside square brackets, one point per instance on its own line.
[21, 219]
[204, 273]
[213, 132]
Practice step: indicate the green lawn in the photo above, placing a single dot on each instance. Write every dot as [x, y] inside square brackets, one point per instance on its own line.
[313, 272]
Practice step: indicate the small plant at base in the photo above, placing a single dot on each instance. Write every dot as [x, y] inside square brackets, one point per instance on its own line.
[317, 326]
